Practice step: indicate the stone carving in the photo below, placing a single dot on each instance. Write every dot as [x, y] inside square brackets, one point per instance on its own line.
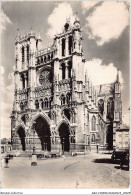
[44, 77]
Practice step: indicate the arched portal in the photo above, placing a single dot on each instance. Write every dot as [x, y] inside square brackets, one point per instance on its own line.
[64, 136]
[43, 130]
[21, 133]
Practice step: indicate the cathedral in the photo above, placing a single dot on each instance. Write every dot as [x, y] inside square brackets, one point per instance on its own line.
[56, 107]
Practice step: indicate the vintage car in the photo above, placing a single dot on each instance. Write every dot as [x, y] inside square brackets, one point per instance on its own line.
[121, 155]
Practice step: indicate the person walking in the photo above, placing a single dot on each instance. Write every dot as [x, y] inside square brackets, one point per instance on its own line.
[6, 162]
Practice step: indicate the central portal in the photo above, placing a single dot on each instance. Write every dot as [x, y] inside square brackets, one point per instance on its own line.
[64, 137]
[43, 130]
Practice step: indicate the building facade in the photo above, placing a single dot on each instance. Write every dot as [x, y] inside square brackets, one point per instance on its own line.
[56, 107]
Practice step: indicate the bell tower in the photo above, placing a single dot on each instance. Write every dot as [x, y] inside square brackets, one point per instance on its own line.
[77, 50]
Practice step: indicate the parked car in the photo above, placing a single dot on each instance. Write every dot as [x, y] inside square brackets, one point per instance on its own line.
[122, 156]
[124, 161]
[118, 154]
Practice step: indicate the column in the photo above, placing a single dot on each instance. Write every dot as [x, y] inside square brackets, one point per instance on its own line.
[21, 83]
[60, 73]
[60, 45]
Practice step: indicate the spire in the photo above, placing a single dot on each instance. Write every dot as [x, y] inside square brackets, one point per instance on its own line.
[76, 18]
[31, 30]
[18, 32]
[39, 37]
[17, 35]
[117, 77]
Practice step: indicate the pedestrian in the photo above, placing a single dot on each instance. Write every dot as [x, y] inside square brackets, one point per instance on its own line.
[29, 155]
[64, 157]
[97, 148]
[6, 161]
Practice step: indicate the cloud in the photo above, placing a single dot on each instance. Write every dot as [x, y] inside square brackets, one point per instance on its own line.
[107, 21]
[58, 17]
[2, 70]
[86, 5]
[4, 20]
[101, 74]
[6, 105]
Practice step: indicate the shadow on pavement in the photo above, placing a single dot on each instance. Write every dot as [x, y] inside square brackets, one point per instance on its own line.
[123, 168]
[106, 152]
[109, 161]
[105, 160]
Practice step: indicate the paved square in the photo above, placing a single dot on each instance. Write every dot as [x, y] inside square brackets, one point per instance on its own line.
[89, 171]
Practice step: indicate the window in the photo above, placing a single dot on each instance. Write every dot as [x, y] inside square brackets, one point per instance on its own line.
[110, 109]
[41, 101]
[41, 59]
[22, 106]
[68, 98]
[23, 54]
[37, 104]
[45, 59]
[23, 81]
[63, 71]
[46, 103]
[93, 138]
[70, 45]
[93, 123]
[62, 99]
[27, 53]
[67, 113]
[63, 47]
[69, 69]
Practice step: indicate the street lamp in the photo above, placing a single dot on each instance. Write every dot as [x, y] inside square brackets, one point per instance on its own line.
[63, 145]
[34, 137]
[34, 157]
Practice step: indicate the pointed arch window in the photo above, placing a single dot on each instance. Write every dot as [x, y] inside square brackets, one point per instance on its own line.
[22, 106]
[93, 123]
[69, 69]
[23, 54]
[63, 71]
[68, 98]
[70, 44]
[28, 53]
[63, 47]
[62, 99]
[110, 109]
[93, 138]
[42, 104]
[46, 103]
[36, 104]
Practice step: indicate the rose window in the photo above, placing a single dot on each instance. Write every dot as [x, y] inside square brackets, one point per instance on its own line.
[45, 77]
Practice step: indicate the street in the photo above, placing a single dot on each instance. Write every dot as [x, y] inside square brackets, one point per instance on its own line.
[85, 171]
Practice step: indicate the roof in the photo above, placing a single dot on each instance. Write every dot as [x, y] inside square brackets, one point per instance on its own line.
[104, 89]
[124, 126]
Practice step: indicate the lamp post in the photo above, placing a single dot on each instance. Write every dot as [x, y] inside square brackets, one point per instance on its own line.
[34, 157]
[63, 145]
[34, 137]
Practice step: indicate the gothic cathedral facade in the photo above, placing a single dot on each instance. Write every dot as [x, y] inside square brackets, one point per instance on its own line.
[55, 106]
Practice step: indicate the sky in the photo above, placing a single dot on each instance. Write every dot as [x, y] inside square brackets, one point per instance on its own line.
[105, 29]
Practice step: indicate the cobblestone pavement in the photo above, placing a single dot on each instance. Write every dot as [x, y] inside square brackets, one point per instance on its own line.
[89, 171]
